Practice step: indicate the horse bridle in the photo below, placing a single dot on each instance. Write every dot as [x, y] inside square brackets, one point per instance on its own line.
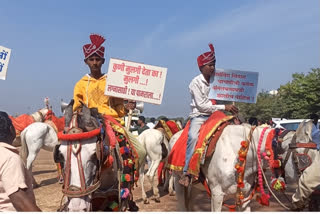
[75, 148]
[292, 150]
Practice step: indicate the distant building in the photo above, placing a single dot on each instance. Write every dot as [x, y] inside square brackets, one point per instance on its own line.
[273, 92]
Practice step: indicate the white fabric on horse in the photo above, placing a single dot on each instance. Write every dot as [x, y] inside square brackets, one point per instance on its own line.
[137, 145]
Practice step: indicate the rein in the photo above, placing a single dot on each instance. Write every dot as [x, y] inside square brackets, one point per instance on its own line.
[265, 178]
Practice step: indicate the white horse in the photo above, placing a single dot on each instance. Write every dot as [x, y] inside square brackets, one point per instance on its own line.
[38, 116]
[84, 177]
[302, 135]
[156, 146]
[220, 171]
[36, 136]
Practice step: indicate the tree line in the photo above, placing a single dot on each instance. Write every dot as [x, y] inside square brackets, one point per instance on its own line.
[295, 100]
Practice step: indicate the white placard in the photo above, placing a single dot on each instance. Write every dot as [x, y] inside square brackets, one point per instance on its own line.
[234, 85]
[135, 81]
[4, 61]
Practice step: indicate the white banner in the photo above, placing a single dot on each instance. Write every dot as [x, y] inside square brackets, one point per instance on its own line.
[4, 61]
[233, 85]
[135, 81]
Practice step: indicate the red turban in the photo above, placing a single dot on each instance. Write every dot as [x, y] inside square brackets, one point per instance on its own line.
[206, 57]
[95, 47]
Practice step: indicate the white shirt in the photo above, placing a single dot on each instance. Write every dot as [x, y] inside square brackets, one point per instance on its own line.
[200, 104]
[150, 125]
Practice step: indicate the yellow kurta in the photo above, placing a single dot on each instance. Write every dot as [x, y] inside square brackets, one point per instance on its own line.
[91, 92]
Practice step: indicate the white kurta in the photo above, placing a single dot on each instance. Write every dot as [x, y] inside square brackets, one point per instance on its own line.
[200, 104]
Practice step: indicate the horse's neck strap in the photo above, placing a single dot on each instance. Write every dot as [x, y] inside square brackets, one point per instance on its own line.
[309, 145]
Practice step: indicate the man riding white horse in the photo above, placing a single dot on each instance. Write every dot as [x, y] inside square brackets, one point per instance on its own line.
[90, 91]
[201, 106]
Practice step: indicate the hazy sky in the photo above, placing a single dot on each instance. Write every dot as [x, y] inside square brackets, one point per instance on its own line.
[275, 38]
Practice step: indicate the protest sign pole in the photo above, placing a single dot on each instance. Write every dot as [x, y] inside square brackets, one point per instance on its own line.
[129, 119]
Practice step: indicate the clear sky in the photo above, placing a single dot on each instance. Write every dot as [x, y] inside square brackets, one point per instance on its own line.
[275, 38]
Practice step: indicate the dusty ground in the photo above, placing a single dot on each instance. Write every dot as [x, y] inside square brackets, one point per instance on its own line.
[48, 195]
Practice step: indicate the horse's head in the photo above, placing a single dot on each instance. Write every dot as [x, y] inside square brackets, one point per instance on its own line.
[304, 132]
[82, 153]
[301, 135]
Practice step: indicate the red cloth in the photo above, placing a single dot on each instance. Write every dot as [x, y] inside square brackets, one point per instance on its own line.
[206, 57]
[95, 47]
[21, 122]
[172, 126]
[176, 159]
[160, 168]
[58, 122]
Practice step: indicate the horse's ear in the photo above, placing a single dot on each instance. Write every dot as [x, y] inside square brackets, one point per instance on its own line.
[68, 113]
[71, 102]
[309, 125]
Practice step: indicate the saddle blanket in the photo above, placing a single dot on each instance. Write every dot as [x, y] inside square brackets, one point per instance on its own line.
[21, 122]
[176, 159]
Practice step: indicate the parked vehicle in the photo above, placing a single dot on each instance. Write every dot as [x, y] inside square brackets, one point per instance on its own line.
[290, 124]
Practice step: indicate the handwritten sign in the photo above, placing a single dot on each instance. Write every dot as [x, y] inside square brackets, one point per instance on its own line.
[135, 81]
[4, 61]
[233, 85]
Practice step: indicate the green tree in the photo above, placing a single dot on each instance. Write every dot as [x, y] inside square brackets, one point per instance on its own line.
[301, 96]
[264, 109]
[296, 99]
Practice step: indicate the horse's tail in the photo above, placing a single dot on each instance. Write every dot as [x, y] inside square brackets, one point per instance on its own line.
[24, 152]
[164, 147]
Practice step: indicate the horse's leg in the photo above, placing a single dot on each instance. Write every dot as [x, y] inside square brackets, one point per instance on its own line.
[179, 192]
[168, 185]
[171, 188]
[60, 176]
[166, 180]
[151, 174]
[31, 157]
[141, 179]
[216, 199]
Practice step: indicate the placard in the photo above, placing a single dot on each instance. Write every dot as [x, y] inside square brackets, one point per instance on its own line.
[234, 85]
[135, 81]
[4, 61]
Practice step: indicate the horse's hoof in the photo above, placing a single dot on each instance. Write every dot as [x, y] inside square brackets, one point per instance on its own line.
[61, 181]
[35, 186]
[146, 201]
[157, 200]
[172, 193]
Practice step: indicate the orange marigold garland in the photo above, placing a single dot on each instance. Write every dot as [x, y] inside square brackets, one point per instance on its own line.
[240, 166]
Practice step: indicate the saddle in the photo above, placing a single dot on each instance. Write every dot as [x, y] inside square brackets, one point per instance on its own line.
[170, 128]
[209, 134]
[21, 122]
